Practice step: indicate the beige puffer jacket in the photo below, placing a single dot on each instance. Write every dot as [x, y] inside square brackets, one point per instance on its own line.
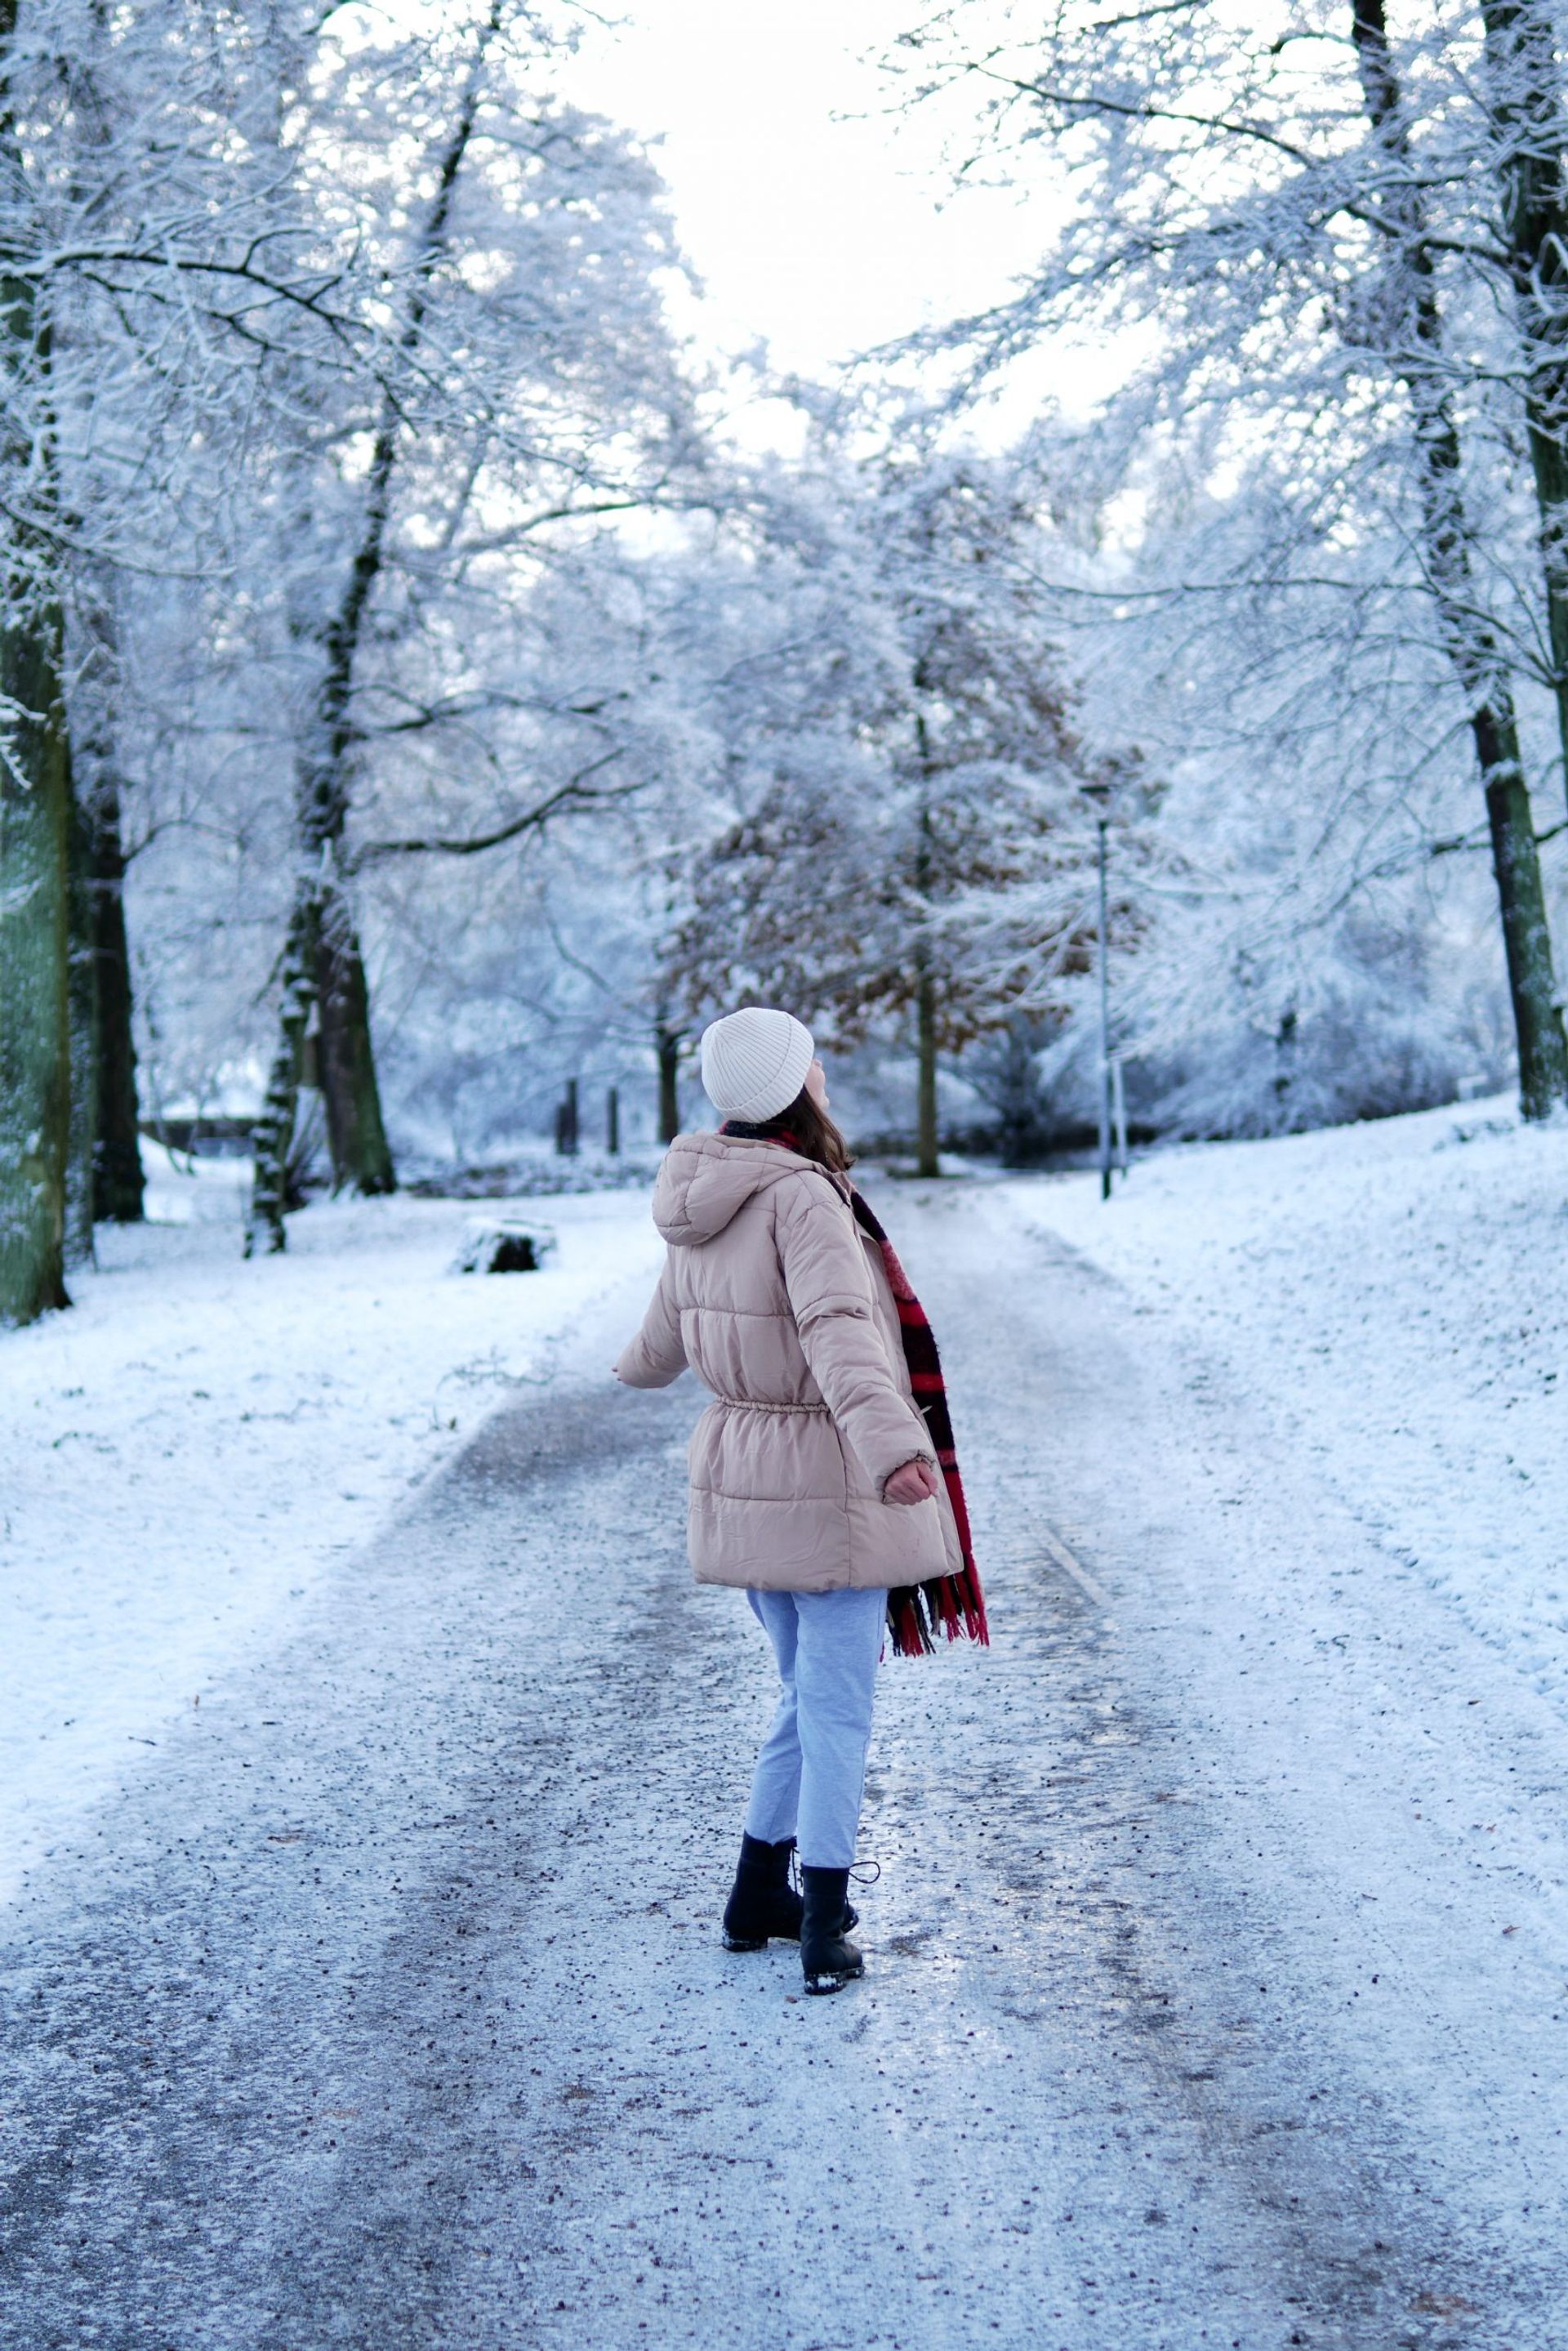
[781, 1305]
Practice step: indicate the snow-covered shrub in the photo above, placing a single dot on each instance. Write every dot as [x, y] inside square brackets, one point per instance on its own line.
[1004, 1069]
[1369, 1027]
[505, 1245]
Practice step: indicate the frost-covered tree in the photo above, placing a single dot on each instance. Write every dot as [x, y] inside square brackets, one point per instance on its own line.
[1329, 253]
[330, 325]
[908, 847]
[527, 379]
[528, 918]
[146, 267]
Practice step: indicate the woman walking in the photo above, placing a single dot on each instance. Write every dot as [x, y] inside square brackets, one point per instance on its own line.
[823, 1478]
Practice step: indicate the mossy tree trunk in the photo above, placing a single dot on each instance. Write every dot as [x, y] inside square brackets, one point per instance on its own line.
[34, 959]
[35, 823]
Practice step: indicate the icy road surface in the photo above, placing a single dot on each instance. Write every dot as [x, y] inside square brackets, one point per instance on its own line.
[1217, 1970]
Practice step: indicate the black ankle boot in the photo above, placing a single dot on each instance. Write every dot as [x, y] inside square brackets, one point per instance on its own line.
[762, 1902]
[827, 1956]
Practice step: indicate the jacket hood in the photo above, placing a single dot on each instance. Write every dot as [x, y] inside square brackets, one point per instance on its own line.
[706, 1180]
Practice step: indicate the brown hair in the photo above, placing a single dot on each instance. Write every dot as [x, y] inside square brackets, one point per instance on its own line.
[806, 1128]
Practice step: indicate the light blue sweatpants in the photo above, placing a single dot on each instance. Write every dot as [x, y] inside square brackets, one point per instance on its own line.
[811, 1769]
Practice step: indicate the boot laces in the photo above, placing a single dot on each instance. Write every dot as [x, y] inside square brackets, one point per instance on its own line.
[862, 1872]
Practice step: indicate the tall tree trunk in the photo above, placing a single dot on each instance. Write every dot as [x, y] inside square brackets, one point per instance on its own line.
[35, 956]
[83, 998]
[356, 1130]
[667, 1043]
[94, 660]
[265, 1233]
[1527, 940]
[1471, 645]
[926, 1152]
[118, 1181]
[345, 1066]
[103, 1082]
[35, 817]
[1526, 97]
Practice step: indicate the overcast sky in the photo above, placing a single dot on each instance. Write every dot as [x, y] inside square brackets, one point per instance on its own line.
[823, 236]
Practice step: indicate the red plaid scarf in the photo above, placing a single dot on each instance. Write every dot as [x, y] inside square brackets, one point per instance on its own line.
[953, 1604]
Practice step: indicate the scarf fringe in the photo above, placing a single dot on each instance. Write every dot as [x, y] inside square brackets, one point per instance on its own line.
[953, 1604]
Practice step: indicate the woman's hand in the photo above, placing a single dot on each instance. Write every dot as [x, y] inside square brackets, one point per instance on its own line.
[915, 1482]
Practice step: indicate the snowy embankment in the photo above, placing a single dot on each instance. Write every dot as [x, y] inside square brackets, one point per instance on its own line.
[1394, 1298]
[190, 1446]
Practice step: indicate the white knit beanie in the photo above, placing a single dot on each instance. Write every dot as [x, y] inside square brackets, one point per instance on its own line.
[754, 1062]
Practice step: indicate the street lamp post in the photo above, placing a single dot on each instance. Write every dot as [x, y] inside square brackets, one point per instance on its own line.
[1100, 794]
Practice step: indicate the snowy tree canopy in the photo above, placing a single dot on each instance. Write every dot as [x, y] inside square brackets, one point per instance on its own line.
[421, 703]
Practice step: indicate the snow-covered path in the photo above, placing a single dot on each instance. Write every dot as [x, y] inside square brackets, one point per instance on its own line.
[1217, 1969]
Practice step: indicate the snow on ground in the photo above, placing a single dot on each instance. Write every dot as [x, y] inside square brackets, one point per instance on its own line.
[190, 1444]
[1214, 1988]
[1215, 1974]
[1395, 1298]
